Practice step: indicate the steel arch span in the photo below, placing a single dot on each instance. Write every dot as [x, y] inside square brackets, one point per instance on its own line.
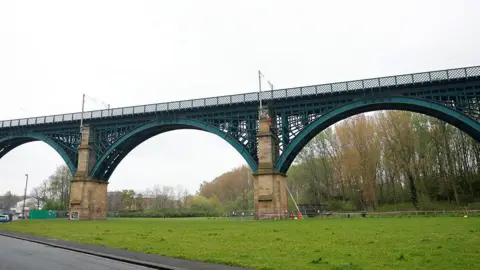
[112, 157]
[10, 142]
[430, 108]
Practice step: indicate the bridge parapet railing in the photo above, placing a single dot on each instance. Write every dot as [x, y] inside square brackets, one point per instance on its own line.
[389, 81]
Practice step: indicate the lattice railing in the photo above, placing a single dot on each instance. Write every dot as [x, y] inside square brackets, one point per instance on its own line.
[390, 81]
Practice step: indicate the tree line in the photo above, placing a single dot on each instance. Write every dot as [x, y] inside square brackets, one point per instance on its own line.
[162, 201]
[396, 158]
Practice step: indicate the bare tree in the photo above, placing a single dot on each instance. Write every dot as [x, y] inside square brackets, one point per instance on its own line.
[39, 194]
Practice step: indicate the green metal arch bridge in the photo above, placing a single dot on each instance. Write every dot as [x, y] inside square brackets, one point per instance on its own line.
[297, 115]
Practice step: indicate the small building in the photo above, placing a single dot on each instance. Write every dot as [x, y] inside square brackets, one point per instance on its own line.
[30, 203]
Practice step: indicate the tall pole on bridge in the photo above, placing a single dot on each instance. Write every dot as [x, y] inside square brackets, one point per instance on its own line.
[260, 76]
[83, 109]
[260, 92]
[81, 116]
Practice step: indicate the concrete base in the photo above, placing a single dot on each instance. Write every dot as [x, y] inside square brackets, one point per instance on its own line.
[88, 200]
[270, 196]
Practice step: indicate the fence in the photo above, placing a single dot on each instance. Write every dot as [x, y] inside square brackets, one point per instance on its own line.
[248, 215]
[113, 214]
[422, 213]
[62, 214]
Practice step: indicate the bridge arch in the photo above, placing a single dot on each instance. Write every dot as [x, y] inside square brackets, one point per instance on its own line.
[426, 107]
[10, 142]
[107, 163]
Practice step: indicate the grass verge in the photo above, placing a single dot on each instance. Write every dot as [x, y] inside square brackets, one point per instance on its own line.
[358, 243]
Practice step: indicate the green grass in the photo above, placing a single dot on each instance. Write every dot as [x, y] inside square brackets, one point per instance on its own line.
[357, 243]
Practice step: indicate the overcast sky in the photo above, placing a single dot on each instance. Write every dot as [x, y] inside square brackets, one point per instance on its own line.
[139, 52]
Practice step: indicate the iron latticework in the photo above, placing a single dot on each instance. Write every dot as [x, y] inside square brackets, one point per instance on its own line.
[297, 114]
[112, 142]
[65, 140]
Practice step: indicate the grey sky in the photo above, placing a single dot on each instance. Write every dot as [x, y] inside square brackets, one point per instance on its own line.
[140, 52]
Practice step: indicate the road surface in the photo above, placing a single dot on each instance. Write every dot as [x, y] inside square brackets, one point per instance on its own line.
[23, 255]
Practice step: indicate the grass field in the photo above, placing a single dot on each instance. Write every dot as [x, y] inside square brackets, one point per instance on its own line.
[357, 243]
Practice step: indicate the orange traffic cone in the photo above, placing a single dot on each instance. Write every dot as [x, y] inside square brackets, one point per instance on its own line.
[299, 215]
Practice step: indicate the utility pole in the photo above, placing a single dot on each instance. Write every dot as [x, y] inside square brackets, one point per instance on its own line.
[260, 76]
[81, 116]
[260, 92]
[25, 195]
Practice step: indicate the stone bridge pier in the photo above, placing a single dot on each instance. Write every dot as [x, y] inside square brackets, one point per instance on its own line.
[270, 191]
[88, 197]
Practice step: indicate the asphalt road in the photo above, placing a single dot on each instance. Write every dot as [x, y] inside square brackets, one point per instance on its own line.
[22, 255]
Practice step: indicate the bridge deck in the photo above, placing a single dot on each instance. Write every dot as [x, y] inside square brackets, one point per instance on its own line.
[313, 90]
